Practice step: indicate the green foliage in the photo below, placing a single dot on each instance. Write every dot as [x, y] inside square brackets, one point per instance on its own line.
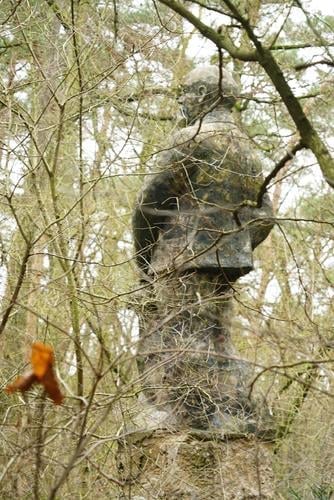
[323, 492]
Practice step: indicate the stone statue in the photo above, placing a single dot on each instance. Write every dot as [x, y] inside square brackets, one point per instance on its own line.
[195, 226]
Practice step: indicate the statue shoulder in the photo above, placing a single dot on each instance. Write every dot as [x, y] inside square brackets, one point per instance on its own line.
[179, 146]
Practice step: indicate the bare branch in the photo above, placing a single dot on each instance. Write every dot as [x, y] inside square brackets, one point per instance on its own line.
[278, 167]
[309, 135]
[263, 55]
[219, 39]
[299, 46]
[302, 66]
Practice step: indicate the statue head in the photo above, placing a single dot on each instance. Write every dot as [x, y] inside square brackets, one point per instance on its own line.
[201, 91]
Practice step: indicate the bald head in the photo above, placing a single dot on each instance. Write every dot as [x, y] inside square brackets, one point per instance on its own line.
[202, 89]
[210, 75]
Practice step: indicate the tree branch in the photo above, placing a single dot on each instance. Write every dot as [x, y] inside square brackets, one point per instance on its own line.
[309, 136]
[18, 286]
[299, 46]
[59, 15]
[305, 65]
[219, 39]
[283, 161]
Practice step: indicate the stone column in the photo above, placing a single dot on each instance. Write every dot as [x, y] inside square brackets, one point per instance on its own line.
[196, 434]
[192, 375]
[196, 465]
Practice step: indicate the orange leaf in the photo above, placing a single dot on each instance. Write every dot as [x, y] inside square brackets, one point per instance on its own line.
[22, 383]
[42, 360]
[51, 387]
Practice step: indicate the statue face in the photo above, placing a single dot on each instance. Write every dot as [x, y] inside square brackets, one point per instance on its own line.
[195, 100]
[200, 92]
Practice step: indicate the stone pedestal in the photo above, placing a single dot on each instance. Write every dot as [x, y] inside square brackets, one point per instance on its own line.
[189, 366]
[196, 465]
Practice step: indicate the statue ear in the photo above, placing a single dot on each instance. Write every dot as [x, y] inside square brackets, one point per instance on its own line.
[202, 92]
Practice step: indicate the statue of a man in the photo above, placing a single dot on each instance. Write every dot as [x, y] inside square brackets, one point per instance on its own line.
[195, 226]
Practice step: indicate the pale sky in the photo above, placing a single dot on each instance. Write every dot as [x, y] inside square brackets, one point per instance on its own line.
[326, 6]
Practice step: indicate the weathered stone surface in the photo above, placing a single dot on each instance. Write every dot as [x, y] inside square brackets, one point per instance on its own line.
[195, 226]
[189, 366]
[199, 211]
[196, 466]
